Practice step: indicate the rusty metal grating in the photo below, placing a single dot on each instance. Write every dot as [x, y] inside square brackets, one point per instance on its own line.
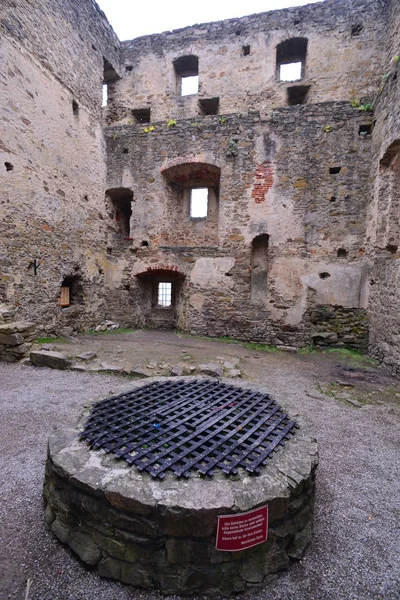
[189, 426]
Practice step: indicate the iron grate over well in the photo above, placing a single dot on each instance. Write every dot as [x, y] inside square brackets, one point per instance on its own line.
[189, 426]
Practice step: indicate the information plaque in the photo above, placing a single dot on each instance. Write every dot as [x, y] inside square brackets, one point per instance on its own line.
[241, 531]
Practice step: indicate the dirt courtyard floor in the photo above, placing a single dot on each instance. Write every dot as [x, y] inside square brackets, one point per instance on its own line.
[349, 404]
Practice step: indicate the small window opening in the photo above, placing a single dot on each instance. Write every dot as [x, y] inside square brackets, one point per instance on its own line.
[164, 293]
[75, 107]
[70, 291]
[209, 106]
[246, 50]
[324, 275]
[125, 151]
[356, 30]
[187, 71]
[105, 95]
[129, 68]
[334, 170]
[144, 243]
[365, 129]
[297, 94]
[342, 253]
[9, 166]
[141, 115]
[291, 59]
[238, 32]
[332, 199]
[392, 248]
[198, 203]
[296, 22]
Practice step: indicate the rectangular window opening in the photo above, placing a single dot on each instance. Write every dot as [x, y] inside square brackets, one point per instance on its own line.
[365, 129]
[198, 203]
[290, 71]
[209, 106]
[189, 85]
[297, 94]
[245, 50]
[164, 293]
[105, 95]
[141, 115]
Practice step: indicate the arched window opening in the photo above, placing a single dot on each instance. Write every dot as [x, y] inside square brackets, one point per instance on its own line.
[71, 291]
[291, 59]
[259, 270]
[187, 74]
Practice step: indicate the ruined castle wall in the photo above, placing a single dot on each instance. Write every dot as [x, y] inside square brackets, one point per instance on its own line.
[276, 182]
[384, 215]
[52, 168]
[237, 61]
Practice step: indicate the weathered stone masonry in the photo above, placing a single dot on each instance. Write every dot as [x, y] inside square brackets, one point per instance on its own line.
[299, 242]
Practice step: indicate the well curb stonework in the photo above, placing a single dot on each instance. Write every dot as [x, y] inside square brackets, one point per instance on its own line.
[161, 534]
[16, 340]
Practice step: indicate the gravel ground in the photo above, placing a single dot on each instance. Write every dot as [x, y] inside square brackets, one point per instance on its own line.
[355, 551]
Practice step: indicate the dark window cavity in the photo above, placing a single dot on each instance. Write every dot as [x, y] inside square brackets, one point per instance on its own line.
[209, 106]
[141, 115]
[297, 94]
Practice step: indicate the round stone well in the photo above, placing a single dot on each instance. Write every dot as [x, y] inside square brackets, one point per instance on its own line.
[149, 518]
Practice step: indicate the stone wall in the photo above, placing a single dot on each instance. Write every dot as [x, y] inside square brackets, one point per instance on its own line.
[52, 175]
[383, 221]
[344, 60]
[278, 182]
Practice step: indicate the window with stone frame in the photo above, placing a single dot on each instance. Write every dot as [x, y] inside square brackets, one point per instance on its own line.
[291, 59]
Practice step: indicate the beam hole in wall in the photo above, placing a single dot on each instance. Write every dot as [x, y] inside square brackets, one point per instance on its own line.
[324, 275]
[342, 253]
[198, 203]
[297, 94]
[141, 115]
[209, 106]
[9, 166]
[291, 59]
[125, 151]
[75, 108]
[246, 50]
[392, 248]
[334, 170]
[120, 202]
[356, 29]
[144, 243]
[365, 129]
[128, 68]
[259, 270]
[332, 199]
[187, 74]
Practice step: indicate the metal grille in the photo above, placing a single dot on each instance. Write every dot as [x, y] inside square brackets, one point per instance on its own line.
[186, 426]
[164, 293]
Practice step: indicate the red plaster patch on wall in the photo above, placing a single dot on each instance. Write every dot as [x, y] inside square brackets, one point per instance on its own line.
[264, 180]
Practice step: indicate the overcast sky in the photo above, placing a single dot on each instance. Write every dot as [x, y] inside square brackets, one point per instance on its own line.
[131, 19]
